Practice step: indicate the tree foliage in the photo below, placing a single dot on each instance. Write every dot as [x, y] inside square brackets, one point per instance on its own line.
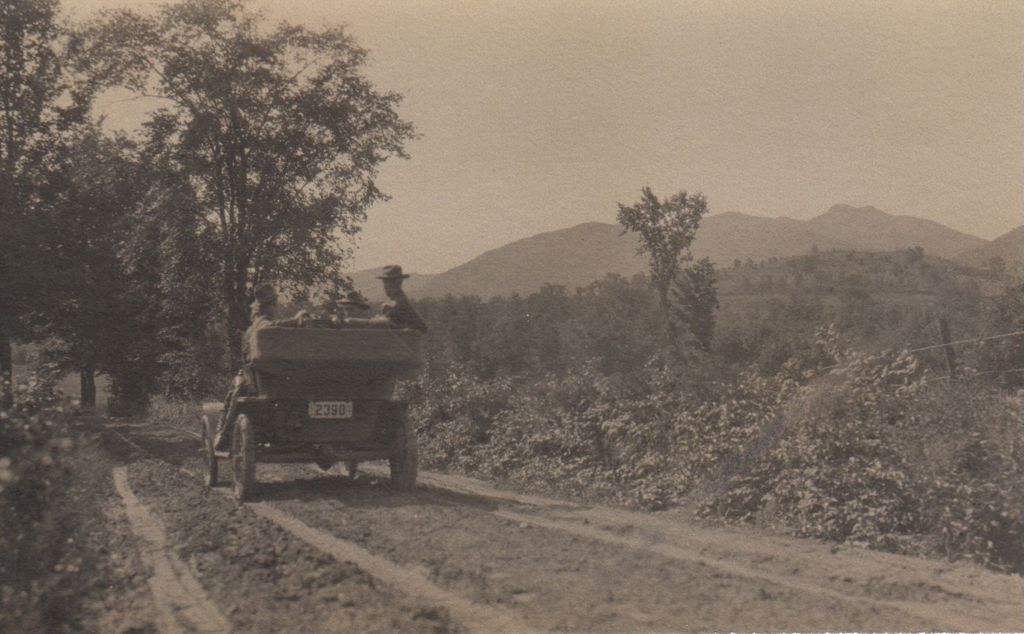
[39, 98]
[84, 218]
[695, 296]
[666, 229]
[277, 132]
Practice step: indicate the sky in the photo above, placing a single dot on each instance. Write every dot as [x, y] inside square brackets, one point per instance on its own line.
[539, 115]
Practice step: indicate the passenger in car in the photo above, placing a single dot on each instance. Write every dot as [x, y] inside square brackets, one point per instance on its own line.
[264, 300]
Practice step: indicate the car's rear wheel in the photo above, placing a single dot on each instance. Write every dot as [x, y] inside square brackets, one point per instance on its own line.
[243, 458]
[404, 458]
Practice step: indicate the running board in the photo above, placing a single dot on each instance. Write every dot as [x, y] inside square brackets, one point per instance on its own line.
[292, 456]
[334, 456]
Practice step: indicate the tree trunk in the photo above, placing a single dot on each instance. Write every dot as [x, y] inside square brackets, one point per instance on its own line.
[234, 340]
[87, 390]
[671, 328]
[6, 373]
[236, 321]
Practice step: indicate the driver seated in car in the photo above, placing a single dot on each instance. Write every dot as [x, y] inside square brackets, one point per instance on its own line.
[265, 299]
[397, 311]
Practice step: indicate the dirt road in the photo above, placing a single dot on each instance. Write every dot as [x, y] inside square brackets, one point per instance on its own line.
[319, 551]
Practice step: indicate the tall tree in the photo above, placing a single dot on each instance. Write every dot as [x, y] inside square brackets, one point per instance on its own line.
[666, 229]
[38, 99]
[87, 212]
[277, 130]
[695, 294]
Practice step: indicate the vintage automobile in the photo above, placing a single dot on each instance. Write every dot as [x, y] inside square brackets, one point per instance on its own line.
[321, 395]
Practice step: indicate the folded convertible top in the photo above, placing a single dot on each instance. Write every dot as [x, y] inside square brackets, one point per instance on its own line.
[397, 350]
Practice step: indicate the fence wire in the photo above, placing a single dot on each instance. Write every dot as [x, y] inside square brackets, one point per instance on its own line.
[959, 341]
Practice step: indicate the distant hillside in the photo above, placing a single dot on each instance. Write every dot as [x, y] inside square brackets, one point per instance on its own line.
[578, 255]
[878, 272]
[868, 229]
[570, 257]
[732, 236]
[1009, 247]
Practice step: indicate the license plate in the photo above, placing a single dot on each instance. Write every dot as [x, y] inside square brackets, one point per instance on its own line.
[330, 409]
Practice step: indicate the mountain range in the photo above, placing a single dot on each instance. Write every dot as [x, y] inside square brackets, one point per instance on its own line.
[1009, 247]
[579, 255]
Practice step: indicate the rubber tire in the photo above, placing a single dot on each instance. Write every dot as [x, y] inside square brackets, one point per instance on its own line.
[404, 458]
[353, 467]
[243, 458]
[209, 455]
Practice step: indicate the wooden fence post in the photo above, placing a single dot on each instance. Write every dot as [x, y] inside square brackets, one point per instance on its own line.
[948, 349]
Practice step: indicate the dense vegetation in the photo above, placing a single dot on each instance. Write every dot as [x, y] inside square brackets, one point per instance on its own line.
[35, 443]
[807, 413]
[133, 254]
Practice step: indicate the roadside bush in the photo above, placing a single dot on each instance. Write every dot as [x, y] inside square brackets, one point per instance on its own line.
[455, 414]
[33, 447]
[195, 372]
[835, 470]
[549, 433]
[718, 437]
[620, 437]
[867, 449]
[171, 412]
[970, 459]
[873, 454]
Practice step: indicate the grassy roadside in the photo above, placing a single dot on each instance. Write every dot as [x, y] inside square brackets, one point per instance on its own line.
[871, 454]
[870, 451]
[68, 561]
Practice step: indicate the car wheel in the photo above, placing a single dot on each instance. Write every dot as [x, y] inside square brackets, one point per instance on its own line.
[243, 458]
[404, 458]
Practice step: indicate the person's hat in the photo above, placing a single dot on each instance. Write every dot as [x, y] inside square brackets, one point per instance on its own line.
[354, 298]
[264, 294]
[392, 272]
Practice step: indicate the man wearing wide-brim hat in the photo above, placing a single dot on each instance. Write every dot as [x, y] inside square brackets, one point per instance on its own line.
[397, 311]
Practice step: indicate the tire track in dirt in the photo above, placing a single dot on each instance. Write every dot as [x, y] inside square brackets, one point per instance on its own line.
[606, 525]
[558, 581]
[181, 602]
[466, 486]
[933, 615]
[473, 616]
[916, 596]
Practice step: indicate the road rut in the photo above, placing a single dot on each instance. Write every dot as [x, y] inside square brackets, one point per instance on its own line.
[547, 565]
[181, 602]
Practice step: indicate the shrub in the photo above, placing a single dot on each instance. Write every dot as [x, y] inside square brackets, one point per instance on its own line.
[170, 412]
[847, 446]
[455, 414]
[970, 461]
[873, 454]
[33, 447]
